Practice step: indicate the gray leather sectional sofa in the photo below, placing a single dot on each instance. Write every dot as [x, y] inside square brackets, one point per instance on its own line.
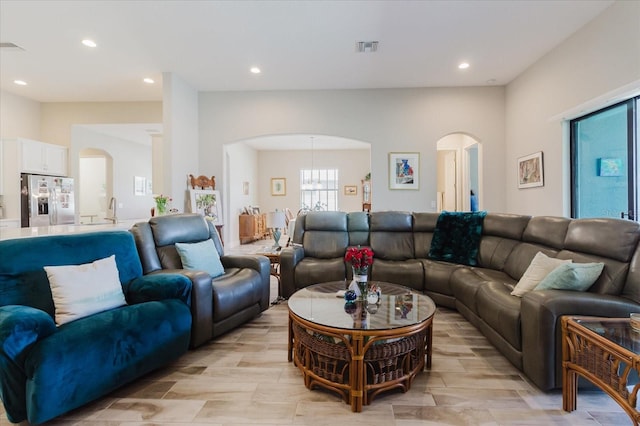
[526, 330]
[219, 304]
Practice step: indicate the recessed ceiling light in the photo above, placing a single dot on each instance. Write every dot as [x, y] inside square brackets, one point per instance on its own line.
[255, 70]
[463, 66]
[20, 82]
[89, 43]
[148, 80]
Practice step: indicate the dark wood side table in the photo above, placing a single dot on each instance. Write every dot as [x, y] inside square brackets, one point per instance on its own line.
[604, 351]
[274, 259]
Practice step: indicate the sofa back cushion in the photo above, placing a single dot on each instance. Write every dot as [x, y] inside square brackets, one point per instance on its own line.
[391, 235]
[180, 228]
[23, 280]
[325, 234]
[613, 238]
[547, 230]
[611, 241]
[358, 226]
[423, 226]
[501, 233]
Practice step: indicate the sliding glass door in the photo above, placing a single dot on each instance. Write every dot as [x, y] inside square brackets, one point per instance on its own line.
[604, 173]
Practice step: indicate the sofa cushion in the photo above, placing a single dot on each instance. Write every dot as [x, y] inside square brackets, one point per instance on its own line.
[82, 290]
[500, 311]
[572, 276]
[457, 236]
[540, 267]
[408, 273]
[202, 256]
[236, 290]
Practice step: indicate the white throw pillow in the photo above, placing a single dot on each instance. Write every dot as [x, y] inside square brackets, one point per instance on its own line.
[82, 290]
[540, 267]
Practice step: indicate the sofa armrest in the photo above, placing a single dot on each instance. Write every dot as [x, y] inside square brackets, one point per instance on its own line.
[289, 258]
[20, 327]
[260, 264]
[201, 303]
[540, 314]
[159, 286]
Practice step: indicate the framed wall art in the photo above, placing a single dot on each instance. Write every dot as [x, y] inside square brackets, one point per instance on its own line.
[278, 186]
[530, 171]
[404, 170]
[207, 202]
[350, 190]
[610, 167]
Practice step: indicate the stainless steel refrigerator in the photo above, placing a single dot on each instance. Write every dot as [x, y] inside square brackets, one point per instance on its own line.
[46, 200]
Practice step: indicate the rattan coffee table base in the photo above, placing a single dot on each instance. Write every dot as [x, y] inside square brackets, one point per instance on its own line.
[359, 364]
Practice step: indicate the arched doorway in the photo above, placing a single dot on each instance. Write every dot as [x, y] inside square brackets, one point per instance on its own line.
[459, 173]
[95, 185]
[250, 165]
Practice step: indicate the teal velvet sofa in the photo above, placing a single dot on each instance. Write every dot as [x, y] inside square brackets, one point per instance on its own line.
[47, 369]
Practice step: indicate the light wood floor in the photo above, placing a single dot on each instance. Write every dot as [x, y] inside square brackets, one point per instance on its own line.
[243, 378]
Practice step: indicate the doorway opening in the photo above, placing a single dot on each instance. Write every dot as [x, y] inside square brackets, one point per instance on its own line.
[459, 173]
[95, 185]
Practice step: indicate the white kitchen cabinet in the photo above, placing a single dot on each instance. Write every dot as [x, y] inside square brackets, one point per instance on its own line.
[43, 158]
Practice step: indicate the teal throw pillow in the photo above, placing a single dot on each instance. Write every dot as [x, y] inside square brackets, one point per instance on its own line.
[202, 256]
[572, 276]
[456, 238]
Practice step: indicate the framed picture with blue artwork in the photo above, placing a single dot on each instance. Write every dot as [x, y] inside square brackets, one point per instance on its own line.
[610, 167]
[404, 170]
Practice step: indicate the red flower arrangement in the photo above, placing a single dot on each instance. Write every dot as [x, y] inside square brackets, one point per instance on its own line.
[360, 258]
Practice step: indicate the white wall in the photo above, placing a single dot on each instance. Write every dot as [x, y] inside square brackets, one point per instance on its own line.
[19, 117]
[599, 59]
[242, 166]
[180, 138]
[59, 117]
[392, 120]
[129, 159]
[352, 165]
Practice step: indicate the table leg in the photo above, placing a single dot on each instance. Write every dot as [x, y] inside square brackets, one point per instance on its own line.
[569, 388]
[290, 347]
[429, 344]
[357, 373]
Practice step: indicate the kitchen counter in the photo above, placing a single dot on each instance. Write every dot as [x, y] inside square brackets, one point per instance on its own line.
[11, 233]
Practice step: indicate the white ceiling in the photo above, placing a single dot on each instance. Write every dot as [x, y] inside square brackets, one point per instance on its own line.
[297, 44]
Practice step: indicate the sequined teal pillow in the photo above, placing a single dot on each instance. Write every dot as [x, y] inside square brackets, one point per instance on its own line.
[456, 238]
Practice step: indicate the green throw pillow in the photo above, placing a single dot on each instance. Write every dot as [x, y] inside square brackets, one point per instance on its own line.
[572, 276]
[457, 237]
[202, 256]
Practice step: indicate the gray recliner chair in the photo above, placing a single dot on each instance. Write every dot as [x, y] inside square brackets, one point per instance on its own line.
[219, 304]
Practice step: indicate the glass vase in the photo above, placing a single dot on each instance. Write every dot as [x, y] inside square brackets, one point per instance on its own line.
[361, 277]
[161, 209]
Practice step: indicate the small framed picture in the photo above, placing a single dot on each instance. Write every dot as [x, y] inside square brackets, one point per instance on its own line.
[350, 190]
[530, 171]
[404, 170]
[610, 167]
[278, 186]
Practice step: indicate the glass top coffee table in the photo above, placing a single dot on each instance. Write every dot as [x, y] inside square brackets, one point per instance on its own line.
[604, 351]
[359, 350]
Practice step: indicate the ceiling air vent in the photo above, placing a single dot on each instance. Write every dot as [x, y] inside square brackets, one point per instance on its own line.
[366, 46]
[10, 46]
